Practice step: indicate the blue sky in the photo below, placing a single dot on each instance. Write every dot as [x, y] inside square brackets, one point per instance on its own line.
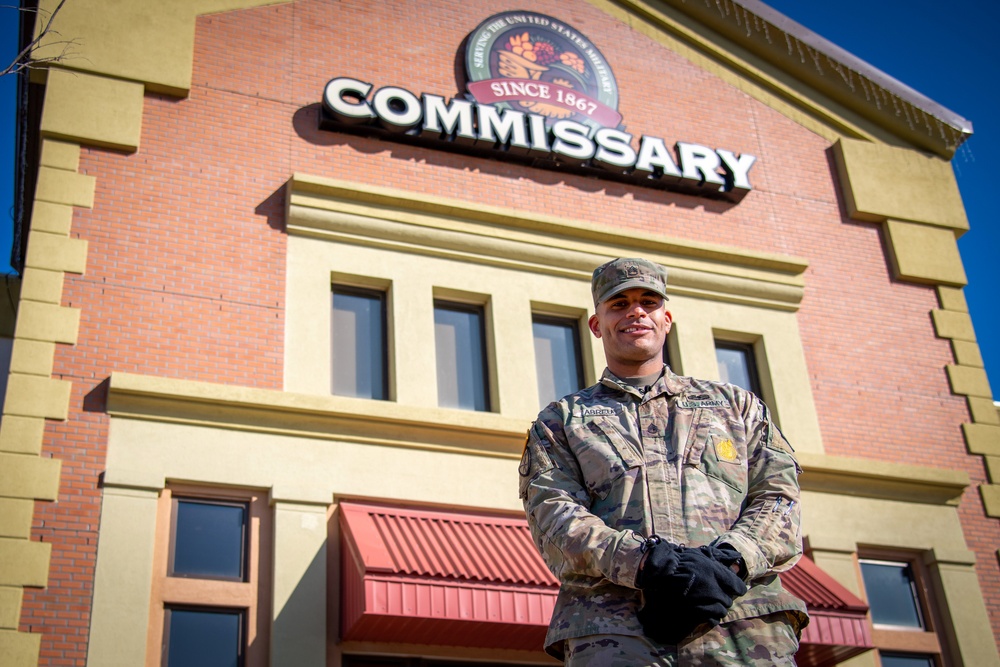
[949, 52]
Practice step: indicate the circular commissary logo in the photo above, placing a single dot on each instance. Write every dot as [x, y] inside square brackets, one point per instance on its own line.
[535, 63]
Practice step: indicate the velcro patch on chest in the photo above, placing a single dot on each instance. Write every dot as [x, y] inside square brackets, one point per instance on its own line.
[599, 411]
[689, 403]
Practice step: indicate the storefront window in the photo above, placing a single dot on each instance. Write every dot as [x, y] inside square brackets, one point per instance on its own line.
[359, 343]
[557, 357]
[460, 345]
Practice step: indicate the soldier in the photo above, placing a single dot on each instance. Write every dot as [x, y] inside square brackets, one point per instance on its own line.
[665, 505]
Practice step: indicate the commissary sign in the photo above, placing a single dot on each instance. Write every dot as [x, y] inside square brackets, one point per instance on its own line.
[538, 92]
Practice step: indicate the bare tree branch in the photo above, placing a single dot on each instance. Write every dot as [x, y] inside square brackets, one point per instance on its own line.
[25, 60]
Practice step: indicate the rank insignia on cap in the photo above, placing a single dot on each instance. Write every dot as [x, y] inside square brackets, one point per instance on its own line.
[632, 271]
[726, 451]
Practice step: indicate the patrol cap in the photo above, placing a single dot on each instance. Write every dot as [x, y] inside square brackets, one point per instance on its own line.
[621, 274]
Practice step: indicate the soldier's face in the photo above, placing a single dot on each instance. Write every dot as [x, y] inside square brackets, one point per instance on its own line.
[633, 326]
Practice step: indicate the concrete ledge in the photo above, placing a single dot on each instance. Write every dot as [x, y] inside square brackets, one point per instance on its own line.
[982, 438]
[21, 435]
[24, 563]
[877, 479]
[47, 322]
[30, 396]
[20, 649]
[29, 477]
[306, 415]
[969, 381]
[56, 253]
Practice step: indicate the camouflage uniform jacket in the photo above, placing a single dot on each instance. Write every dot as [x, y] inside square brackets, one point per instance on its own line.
[692, 461]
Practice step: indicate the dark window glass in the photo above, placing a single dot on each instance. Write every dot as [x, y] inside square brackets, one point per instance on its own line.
[892, 593]
[736, 365]
[557, 357]
[359, 345]
[209, 539]
[460, 344]
[203, 638]
[906, 660]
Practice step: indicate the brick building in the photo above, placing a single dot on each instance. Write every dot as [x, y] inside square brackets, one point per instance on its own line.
[292, 292]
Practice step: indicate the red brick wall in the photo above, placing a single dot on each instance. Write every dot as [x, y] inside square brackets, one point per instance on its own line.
[186, 254]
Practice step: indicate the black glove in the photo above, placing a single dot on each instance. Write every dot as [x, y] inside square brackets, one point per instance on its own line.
[684, 588]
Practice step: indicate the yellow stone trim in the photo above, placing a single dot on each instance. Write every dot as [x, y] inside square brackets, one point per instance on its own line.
[20, 649]
[56, 253]
[992, 468]
[925, 254]
[92, 110]
[60, 155]
[42, 285]
[312, 416]
[59, 186]
[21, 435]
[982, 438]
[148, 42]
[952, 324]
[15, 518]
[27, 476]
[10, 608]
[983, 410]
[32, 357]
[52, 218]
[47, 322]
[882, 182]
[396, 219]
[877, 479]
[952, 298]
[969, 381]
[967, 353]
[30, 396]
[991, 499]
[24, 563]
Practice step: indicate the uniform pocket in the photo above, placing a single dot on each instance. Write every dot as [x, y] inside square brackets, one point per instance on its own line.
[717, 447]
[604, 455]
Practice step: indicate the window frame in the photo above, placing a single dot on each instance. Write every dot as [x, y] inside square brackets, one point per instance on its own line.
[753, 367]
[925, 642]
[176, 499]
[243, 644]
[252, 595]
[443, 303]
[349, 289]
[574, 325]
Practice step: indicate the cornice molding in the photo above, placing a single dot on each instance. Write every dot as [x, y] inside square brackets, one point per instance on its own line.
[409, 222]
[882, 480]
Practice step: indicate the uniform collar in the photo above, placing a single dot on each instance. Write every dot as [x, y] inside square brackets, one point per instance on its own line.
[669, 383]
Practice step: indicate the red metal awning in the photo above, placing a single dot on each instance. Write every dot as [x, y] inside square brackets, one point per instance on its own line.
[470, 579]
